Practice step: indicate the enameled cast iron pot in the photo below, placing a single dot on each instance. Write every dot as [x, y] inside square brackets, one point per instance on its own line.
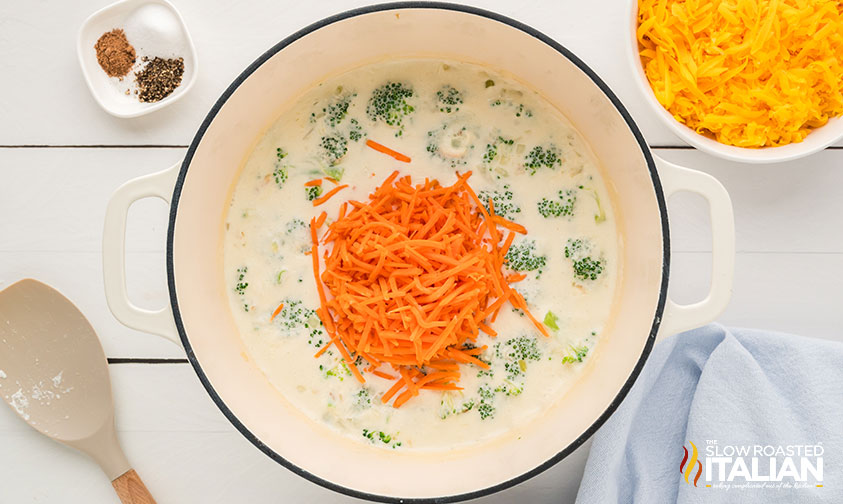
[638, 181]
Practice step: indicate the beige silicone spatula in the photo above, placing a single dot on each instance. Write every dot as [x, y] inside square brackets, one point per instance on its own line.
[53, 373]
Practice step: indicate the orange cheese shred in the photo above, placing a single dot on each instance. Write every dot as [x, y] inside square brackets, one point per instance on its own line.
[749, 73]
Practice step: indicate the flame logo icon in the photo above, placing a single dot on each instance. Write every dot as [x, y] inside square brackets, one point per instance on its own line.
[688, 468]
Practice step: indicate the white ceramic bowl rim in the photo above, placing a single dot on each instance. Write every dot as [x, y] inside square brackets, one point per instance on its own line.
[657, 186]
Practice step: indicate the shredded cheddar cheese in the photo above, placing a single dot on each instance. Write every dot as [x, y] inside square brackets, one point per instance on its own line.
[750, 73]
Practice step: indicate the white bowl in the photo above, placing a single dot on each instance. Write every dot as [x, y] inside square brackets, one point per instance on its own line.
[816, 140]
[109, 92]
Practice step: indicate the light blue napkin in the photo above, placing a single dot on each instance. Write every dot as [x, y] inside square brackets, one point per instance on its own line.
[734, 387]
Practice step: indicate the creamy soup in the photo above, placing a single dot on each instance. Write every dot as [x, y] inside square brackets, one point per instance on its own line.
[449, 118]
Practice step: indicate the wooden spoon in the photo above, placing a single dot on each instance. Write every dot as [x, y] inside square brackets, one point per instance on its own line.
[54, 374]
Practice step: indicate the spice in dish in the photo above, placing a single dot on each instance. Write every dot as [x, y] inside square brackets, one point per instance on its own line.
[749, 73]
[158, 78]
[415, 261]
[114, 53]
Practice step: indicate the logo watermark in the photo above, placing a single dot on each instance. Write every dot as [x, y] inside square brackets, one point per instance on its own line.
[753, 466]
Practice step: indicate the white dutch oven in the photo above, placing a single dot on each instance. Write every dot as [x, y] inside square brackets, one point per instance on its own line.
[199, 305]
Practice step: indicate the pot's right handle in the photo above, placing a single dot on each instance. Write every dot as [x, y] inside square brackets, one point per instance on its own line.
[676, 317]
[158, 185]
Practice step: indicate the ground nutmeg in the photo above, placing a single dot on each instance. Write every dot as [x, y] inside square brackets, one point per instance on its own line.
[114, 53]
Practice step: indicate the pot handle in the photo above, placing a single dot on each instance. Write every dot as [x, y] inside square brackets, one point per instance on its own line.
[158, 185]
[676, 317]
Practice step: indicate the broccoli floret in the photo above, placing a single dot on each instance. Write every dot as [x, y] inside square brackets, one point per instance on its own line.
[355, 131]
[449, 99]
[433, 140]
[448, 407]
[389, 104]
[562, 208]
[315, 338]
[374, 436]
[362, 399]
[486, 410]
[548, 157]
[296, 234]
[520, 109]
[577, 354]
[586, 268]
[486, 372]
[576, 247]
[509, 388]
[491, 153]
[295, 225]
[516, 352]
[489, 83]
[492, 148]
[514, 369]
[600, 215]
[485, 407]
[519, 348]
[241, 284]
[334, 148]
[523, 257]
[280, 173]
[295, 314]
[312, 192]
[336, 111]
[502, 200]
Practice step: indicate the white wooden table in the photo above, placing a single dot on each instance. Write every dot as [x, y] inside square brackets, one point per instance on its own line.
[61, 156]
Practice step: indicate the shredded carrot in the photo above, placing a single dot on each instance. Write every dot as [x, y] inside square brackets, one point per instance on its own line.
[314, 182]
[332, 180]
[410, 279]
[321, 219]
[327, 195]
[386, 150]
[383, 375]
[276, 312]
[515, 277]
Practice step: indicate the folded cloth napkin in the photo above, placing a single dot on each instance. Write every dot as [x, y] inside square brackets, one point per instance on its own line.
[735, 393]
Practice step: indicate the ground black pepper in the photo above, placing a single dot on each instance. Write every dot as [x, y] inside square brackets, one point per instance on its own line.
[158, 78]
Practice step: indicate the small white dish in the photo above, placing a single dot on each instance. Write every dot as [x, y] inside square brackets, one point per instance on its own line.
[153, 28]
[816, 140]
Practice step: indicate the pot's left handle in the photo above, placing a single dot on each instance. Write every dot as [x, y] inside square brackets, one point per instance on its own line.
[159, 185]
